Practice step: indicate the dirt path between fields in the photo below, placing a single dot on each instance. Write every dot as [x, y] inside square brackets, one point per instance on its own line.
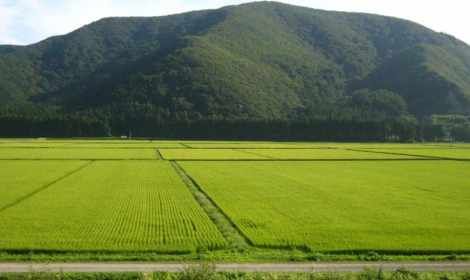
[242, 267]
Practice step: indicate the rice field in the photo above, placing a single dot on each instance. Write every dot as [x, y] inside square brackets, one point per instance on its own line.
[344, 206]
[277, 154]
[324, 154]
[75, 195]
[112, 144]
[19, 179]
[390, 145]
[451, 153]
[138, 145]
[208, 154]
[253, 145]
[111, 205]
[76, 153]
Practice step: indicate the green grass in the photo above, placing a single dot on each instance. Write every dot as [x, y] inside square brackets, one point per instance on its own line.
[77, 153]
[19, 179]
[115, 205]
[322, 154]
[398, 206]
[207, 154]
[206, 272]
[73, 276]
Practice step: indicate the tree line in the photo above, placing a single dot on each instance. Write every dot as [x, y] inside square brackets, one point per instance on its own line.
[365, 115]
[392, 130]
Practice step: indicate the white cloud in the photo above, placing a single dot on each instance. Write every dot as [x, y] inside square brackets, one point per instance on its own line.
[7, 16]
[450, 16]
[28, 21]
[36, 20]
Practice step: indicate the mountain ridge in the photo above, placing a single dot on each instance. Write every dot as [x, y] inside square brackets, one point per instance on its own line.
[260, 60]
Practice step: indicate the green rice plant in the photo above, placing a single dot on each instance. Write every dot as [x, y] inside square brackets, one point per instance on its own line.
[207, 154]
[20, 179]
[66, 144]
[252, 145]
[451, 153]
[275, 154]
[129, 145]
[347, 206]
[78, 153]
[388, 145]
[111, 205]
[323, 154]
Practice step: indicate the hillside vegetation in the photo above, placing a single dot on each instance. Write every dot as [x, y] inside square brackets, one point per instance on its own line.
[259, 61]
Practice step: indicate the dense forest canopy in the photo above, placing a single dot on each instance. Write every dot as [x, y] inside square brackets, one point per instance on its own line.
[262, 63]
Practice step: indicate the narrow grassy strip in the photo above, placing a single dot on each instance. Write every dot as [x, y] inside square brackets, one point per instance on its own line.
[159, 155]
[78, 276]
[228, 229]
[207, 272]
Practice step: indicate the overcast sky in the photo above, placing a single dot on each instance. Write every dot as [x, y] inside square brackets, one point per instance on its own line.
[29, 21]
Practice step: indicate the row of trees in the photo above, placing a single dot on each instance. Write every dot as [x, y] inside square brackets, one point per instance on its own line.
[364, 115]
[403, 129]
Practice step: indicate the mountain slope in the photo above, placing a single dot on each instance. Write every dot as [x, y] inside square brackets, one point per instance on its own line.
[431, 78]
[262, 60]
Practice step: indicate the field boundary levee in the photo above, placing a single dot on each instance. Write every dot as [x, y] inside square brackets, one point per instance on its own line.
[159, 154]
[232, 234]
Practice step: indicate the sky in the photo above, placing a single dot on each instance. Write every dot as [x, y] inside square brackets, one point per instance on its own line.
[25, 22]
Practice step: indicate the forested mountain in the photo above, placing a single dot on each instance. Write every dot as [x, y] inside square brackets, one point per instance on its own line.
[262, 61]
